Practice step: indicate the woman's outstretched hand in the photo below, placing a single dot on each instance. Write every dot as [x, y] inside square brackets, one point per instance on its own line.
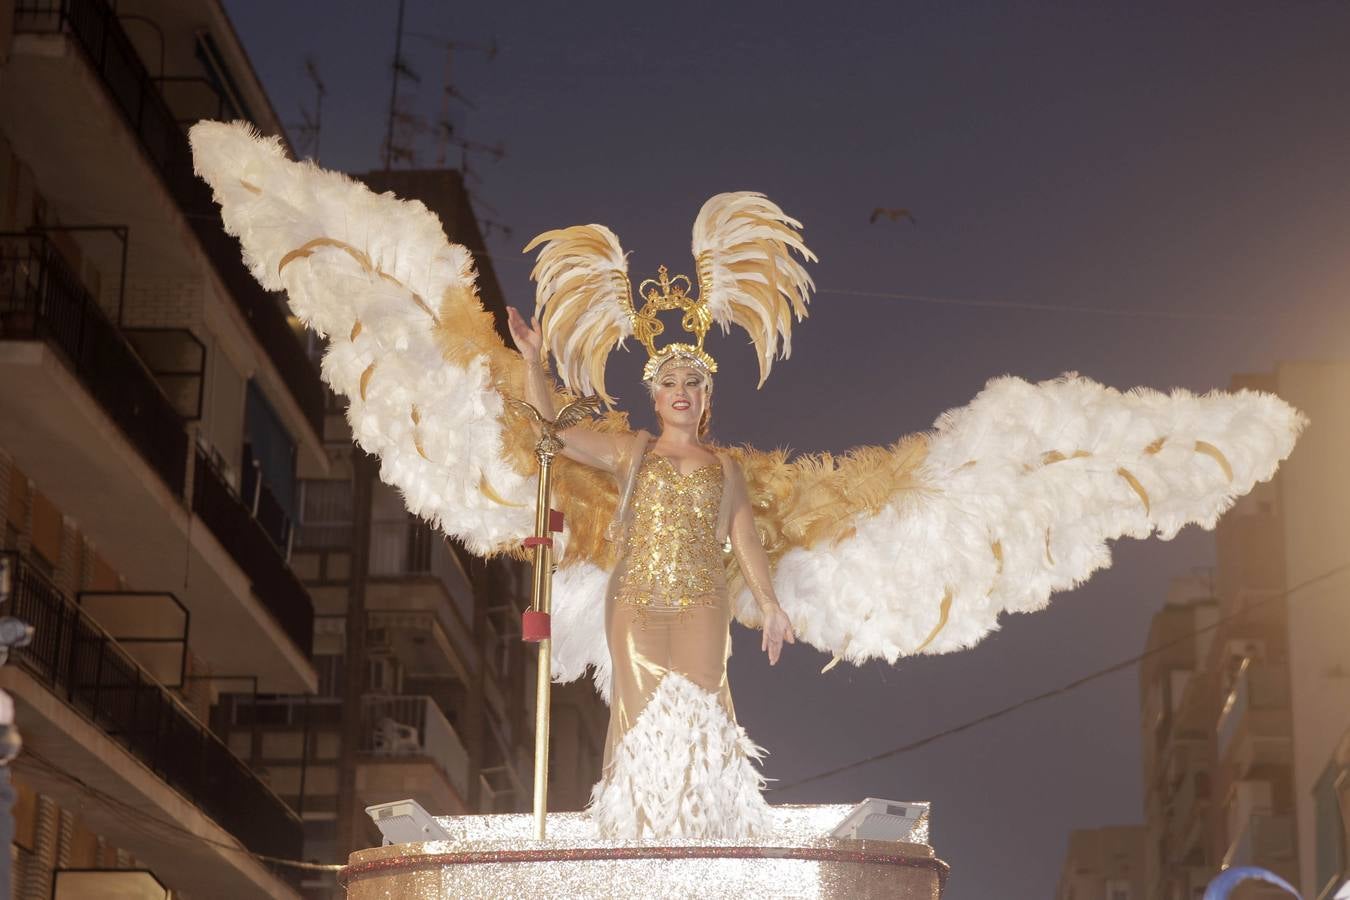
[529, 340]
[777, 629]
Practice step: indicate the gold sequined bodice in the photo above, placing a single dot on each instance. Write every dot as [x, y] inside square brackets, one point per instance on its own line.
[671, 556]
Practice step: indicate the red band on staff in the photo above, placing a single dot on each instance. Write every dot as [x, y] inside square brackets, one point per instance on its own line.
[536, 541]
[535, 626]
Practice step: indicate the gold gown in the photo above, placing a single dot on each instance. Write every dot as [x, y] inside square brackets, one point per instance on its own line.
[676, 762]
[668, 610]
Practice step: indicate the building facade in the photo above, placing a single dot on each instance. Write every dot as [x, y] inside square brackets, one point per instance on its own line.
[1314, 494]
[1244, 693]
[1104, 864]
[241, 637]
[1177, 707]
[154, 406]
[426, 690]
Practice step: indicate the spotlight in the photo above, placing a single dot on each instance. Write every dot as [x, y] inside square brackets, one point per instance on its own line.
[880, 820]
[405, 822]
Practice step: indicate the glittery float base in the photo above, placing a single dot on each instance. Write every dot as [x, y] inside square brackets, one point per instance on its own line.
[498, 857]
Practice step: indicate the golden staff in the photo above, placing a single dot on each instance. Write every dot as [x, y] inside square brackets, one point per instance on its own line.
[535, 626]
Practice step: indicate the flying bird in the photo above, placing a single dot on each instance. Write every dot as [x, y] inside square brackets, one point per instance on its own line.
[894, 215]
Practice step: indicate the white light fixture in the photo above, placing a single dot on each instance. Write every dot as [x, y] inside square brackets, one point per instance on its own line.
[405, 822]
[880, 820]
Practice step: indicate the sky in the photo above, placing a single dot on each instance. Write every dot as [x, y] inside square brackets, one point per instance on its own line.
[1148, 193]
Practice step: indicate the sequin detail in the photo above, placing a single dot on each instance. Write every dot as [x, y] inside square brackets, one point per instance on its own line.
[671, 557]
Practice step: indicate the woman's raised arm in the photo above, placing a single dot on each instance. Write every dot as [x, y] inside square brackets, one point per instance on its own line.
[582, 444]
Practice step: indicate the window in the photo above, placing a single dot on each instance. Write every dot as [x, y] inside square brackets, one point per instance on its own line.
[331, 669]
[1329, 841]
[325, 515]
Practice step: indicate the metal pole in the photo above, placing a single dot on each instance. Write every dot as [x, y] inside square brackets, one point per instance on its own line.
[535, 626]
[393, 95]
[542, 603]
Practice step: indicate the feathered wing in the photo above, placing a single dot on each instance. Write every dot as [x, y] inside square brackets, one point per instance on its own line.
[418, 359]
[584, 301]
[888, 552]
[743, 248]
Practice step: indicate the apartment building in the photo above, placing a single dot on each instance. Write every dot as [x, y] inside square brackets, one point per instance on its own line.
[1178, 703]
[426, 689]
[155, 408]
[1104, 864]
[1314, 493]
[1246, 702]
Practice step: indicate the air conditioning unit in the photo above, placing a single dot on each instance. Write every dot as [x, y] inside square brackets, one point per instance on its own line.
[393, 738]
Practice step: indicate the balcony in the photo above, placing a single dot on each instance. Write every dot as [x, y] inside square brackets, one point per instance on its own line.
[152, 628]
[1191, 798]
[1248, 800]
[419, 599]
[59, 112]
[90, 715]
[251, 546]
[1331, 817]
[266, 509]
[410, 749]
[102, 884]
[1267, 841]
[104, 444]
[1256, 717]
[42, 299]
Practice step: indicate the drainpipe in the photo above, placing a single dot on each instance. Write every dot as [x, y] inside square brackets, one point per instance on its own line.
[348, 831]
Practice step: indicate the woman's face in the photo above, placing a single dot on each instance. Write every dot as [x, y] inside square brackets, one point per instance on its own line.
[681, 395]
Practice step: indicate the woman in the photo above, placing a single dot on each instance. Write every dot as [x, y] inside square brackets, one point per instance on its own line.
[667, 610]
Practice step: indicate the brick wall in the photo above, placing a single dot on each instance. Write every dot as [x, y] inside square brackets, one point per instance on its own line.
[164, 302]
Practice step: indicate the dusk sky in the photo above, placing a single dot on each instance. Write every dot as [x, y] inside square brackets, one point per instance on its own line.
[1149, 193]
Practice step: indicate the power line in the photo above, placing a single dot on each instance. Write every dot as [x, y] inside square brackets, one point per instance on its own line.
[1115, 312]
[976, 303]
[1062, 689]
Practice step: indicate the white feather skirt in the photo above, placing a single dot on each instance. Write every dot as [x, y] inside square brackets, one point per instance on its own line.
[685, 769]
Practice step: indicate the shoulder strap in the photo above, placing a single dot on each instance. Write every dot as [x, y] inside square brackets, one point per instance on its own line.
[627, 479]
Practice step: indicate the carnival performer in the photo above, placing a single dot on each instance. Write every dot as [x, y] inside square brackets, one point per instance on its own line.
[881, 553]
[667, 611]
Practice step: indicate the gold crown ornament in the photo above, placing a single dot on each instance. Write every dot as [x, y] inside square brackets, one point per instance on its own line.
[747, 276]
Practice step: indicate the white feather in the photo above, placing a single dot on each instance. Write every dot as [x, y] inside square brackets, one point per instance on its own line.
[753, 280]
[584, 301]
[878, 594]
[276, 206]
[685, 769]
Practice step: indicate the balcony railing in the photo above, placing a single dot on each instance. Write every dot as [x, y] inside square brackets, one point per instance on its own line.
[249, 544]
[95, 28]
[42, 299]
[80, 663]
[405, 546]
[414, 726]
[267, 509]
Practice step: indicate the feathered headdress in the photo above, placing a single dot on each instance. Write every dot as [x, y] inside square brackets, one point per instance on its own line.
[746, 273]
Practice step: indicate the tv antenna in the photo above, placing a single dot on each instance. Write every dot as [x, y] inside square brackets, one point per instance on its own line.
[311, 126]
[445, 128]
